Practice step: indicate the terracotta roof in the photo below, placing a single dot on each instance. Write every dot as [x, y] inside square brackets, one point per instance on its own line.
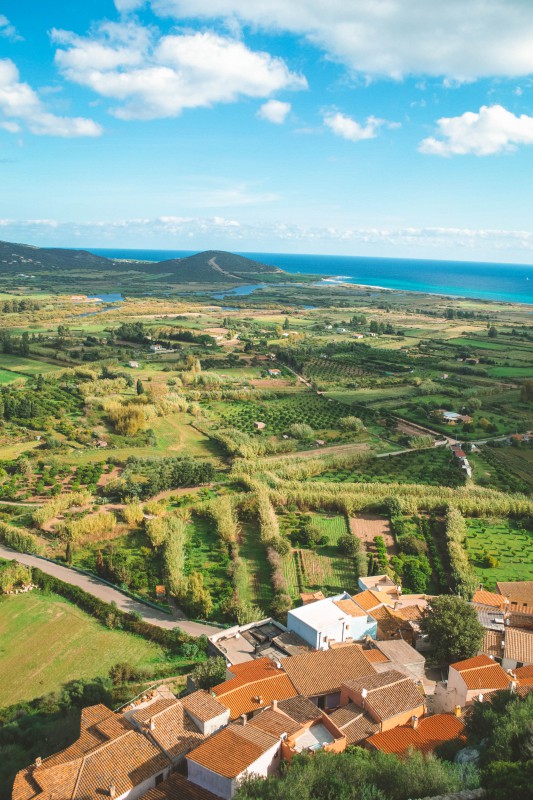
[481, 672]
[484, 598]
[275, 722]
[324, 671]
[374, 656]
[232, 750]
[472, 663]
[431, 732]
[203, 705]
[492, 643]
[519, 645]
[177, 787]
[369, 599]
[247, 672]
[517, 591]
[173, 730]
[388, 694]
[300, 709]
[256, 694]
[349, 607]
[311, 597]
[524, 675]
[355, 724]
[410, 613]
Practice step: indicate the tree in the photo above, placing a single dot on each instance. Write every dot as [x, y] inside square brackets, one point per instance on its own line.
[209, 673]
[286, 324]
[526, 394]
[493, 332]
[350, 424]
[140, 387]
[453, 629]
[301, 430]
[348, 545]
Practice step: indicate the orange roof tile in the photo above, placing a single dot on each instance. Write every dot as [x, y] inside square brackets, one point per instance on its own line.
[276, 723]
[177, 787]
[484, 598]
[349, 607]
[374, 656]
[233, 750]
[517, 591]
[492, 643]
[431, 732]
[171, 728]
[324, 671]
[202, 705]
[489, 677]
[524, 675]
[246, 672]
[388, 694]
[247, 697]
[369, 599]
[519, 645]
[472, 663]
[354, 723]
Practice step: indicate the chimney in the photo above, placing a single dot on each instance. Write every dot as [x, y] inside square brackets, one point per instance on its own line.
[112, 791]
[244, 719]
[513, 686]
[274, 705]
[151, 724]
[457, 711]
[414, 722]
[38, 761]
[480, 698]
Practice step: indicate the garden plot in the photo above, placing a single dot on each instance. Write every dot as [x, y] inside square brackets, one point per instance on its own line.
[279, 414]
[367, 526]
[256, 586]
[508, 545]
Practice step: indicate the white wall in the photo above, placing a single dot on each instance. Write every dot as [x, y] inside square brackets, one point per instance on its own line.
[265, 765]
[211, 725]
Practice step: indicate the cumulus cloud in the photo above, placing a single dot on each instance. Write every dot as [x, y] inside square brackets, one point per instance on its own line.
[19, 102]
[393, 37]
[125, 6]
[155, 77]
[350, 129]
[8, 31]
[274, 111]
[492, 130]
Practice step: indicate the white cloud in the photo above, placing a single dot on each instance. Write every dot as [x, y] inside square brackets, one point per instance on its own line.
[274, 111]
[18, 101]
[492, 130]
[125, 6]
[8, 31]
[350, 129]
[155, 77]
[393, 37]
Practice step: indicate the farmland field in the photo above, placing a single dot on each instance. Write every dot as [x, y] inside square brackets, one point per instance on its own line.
[51, 642]
[257, 587]
[504, 540]
[26, 366]
[204, 554]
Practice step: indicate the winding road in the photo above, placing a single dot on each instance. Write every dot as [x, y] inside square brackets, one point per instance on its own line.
[108, 594]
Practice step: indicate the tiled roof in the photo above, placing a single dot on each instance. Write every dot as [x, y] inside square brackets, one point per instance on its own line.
[472, 663]
[410, 613]
[177, 787]
[324, 671]
[355, 724]
[256, 694]
[275, 722]
[431, 732]
[519, 645]
[389, 623]
[203, 705]
[300, 709]
[369, 599]
[173, 730]
[349, 607]
[492, 643]
[247, 672]
[518, 591]
[375, 656]
[388, 694]
[481, 672]
[484, 598]
[401, 652]
[524, 675]
[232, 750]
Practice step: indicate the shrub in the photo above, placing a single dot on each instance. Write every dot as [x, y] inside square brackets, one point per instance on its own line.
[19, 539]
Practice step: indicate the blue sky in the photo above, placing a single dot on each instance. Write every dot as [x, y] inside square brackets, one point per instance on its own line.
[357, 127]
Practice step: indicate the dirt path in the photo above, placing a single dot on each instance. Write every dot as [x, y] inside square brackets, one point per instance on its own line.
[333, 450]
[108, 594]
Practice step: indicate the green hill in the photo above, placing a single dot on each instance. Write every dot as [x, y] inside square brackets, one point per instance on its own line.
[214, 266]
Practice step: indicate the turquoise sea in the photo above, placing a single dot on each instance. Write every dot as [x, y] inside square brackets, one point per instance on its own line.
[487, 281]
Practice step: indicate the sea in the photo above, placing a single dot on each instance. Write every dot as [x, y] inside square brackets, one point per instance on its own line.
[469, 279]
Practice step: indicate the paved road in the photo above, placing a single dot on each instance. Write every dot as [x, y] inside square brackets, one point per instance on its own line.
[108, 594]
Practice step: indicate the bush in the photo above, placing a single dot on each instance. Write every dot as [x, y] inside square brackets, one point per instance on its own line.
[19, 539]
[300, 430]
[349, 545]
[210, 673]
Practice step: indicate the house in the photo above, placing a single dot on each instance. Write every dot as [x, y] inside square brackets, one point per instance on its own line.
[177, 787]
[256, 640]
[222, 762]
[519, 593]
[111, 758]
[423, 735]
[334, 619]
[381, 583]
[358, 336]
[341, 330]
[518, 648]
[274, 373]
[469, 680]
[207, 713]
[319, 675]
[156, 348]
[100, 443]
[354, 723]
[254, 686]
[389, 698]
[260, 425]
[401, 657]
[133, 364]
[166, 721]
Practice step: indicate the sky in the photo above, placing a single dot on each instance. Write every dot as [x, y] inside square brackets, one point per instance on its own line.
[352, 127]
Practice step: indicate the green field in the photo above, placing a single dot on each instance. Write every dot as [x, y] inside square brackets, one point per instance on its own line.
[52, 642]
[26, 366]
[324, 568]
[504, 540]
[203, 553]
[256, 587]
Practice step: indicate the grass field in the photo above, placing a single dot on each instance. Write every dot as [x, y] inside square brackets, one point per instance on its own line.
[204, 554]
[503, 539]
[26, 366]
[52, 642]
[257, 588]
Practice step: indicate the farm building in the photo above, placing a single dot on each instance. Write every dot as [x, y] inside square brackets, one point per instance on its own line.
[274, 373]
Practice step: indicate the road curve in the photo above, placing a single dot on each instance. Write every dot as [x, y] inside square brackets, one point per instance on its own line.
[97, 588]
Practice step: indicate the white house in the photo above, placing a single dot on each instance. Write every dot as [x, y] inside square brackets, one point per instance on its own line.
[469, 680]
[330, 621]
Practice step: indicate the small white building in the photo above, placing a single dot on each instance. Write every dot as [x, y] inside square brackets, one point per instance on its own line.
[330, 621]
[133, 364]
[274, 372]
